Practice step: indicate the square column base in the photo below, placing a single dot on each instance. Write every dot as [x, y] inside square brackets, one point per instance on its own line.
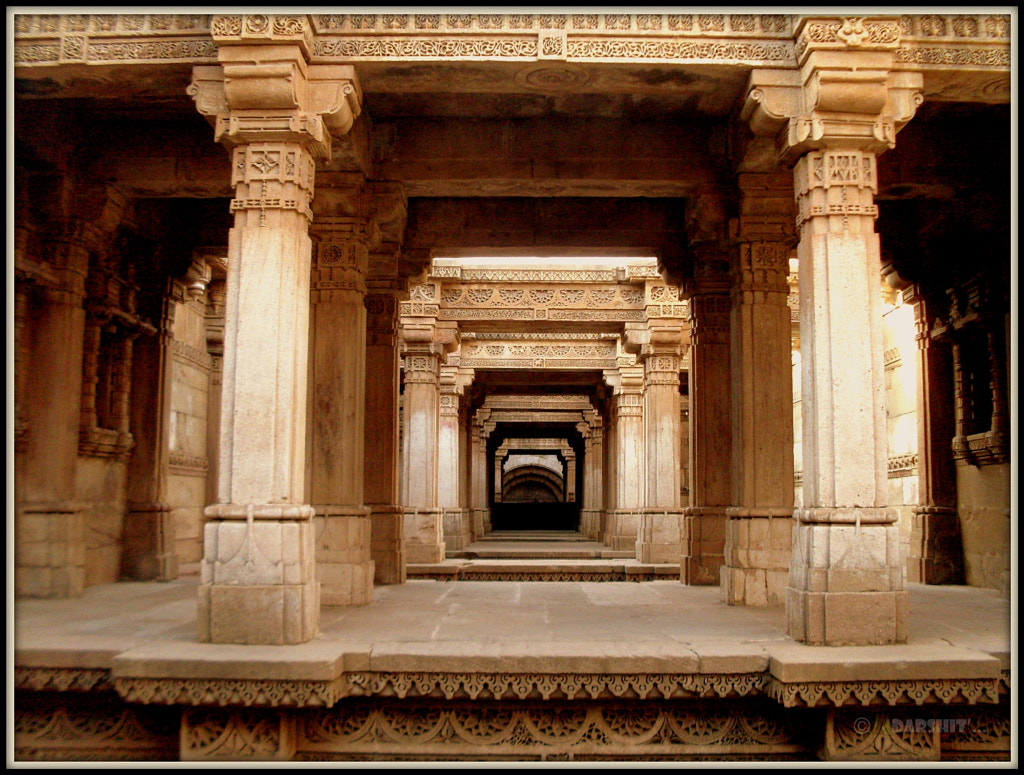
[387, 544]
[263, 614]
[703, 540]
[659, 537]
[49, 556]
[258, 572]
[758, 549]
[148, 535]
[623, 525]
[424, 536]
[590, 523]
[457, 532]
[846, 583]
[343, 565]
[936, 547]
[481, 519]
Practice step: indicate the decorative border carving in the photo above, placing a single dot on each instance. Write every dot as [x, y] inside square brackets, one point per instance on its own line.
[902, 465]
[928, 40]
[817, 694]
[719, 51]
[188, 465]
[525, 685]
[546, 686]
[186, 353]
[62, 679]
[248, 692]
[693, 25]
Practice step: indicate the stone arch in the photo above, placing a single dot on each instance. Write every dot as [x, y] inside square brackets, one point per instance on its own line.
[532, 483]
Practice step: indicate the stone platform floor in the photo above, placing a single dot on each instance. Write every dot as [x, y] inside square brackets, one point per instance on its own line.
[149, 629]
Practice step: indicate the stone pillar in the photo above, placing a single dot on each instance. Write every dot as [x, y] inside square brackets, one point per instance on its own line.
[846, 575]
[936, 547]
[846, 579]
[148, 543]
[758, 541]
[337, 399]
[611, 459]
[382, 453]
[215, 297]
[269, 107]
[831, 118]
[624, 521]
[570, 474]
[449, 486]
[49, 531]
[593, 441]
[659, 539]
[499, 471]
[424, 529]
[703, 533]
[480, 514]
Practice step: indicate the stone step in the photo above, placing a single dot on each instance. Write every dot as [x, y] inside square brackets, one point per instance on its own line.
[477, 552]
[542, 570]
[516, 536]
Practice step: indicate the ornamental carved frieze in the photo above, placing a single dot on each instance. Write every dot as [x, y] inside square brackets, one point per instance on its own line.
[759, 39]
[532, 730]
[846, 33]
[381, 319]
[43, 39]
[217, 734]
[538, 402]
[340, 258]
[840, 186]
[865, 737]
[762, 269]
[87, 728]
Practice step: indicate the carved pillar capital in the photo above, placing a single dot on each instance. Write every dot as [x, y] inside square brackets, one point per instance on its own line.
[845, 93]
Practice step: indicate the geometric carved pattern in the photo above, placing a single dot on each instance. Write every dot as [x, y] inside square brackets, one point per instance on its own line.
[980, 734]
[52, 727]
[542, 731]
[879, 738]
[216, 734]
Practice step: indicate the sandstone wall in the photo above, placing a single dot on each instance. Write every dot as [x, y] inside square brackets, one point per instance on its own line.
[984, 523]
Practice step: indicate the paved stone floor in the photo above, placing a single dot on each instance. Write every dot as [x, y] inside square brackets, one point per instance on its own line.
[150, 629]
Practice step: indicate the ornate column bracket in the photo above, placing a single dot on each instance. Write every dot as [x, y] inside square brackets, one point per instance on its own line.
[845, 91]
[264, 90]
